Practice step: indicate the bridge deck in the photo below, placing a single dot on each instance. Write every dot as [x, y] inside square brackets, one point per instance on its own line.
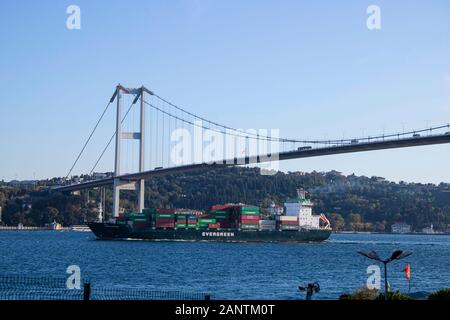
[315, 152]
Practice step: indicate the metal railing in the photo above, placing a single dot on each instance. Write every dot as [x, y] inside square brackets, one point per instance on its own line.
[18, 287]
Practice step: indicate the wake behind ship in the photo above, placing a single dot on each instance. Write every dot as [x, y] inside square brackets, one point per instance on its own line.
[230, 223]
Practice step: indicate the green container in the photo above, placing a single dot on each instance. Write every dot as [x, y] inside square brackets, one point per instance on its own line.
[139, 220]
[250, 213]
[180, 225]
[218, 212]
[165, 215]
[149, 211]
[221, 217]
[190, 225]
[249, 208]
[206, 221]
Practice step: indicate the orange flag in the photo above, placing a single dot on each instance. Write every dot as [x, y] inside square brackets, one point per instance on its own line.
[407, 271]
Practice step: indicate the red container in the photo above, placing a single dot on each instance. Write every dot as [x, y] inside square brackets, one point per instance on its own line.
[287, 222]
[165, 211]
[165, 225]
[249, 222]
[220, 207]
[254, 217]
[164, 220]
[204, 216]
[213, 226]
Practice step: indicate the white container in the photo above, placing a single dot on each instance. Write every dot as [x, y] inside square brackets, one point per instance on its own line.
[287, 218]
[267, 222]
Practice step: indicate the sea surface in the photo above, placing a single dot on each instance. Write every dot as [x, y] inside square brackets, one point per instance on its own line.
[227, 270]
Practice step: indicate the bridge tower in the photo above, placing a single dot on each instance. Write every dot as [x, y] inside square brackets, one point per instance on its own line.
[119, 184]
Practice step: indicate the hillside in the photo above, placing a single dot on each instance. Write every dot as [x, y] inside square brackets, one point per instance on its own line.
[352, 202]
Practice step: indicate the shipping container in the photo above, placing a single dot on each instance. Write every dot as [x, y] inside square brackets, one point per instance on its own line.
[149, 211]
[139, 220]
[165, 211]
[207, 221]
[295, 223]
[165, 215]
[287, 218]
[267, 222]
[267, 228]
[220, 207]
[249, 208]
[250, 222]
[288, 227]
[219, 212]
[250, 226]
[250, 217]
[164, 225]
[192, 225]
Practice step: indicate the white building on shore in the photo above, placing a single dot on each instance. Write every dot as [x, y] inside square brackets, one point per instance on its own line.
[400, 227]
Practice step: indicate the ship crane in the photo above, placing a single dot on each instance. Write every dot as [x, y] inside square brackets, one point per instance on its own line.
[325, 220]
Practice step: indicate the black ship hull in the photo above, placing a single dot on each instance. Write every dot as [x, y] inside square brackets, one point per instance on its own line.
[111, 231]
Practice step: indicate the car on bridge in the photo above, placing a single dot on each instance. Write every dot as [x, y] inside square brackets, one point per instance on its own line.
[354, 141]
[416, 135]
[447, 133]
[304, 148]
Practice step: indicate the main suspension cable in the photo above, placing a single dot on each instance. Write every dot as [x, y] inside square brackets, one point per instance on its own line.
[88, 139]
[110, 140]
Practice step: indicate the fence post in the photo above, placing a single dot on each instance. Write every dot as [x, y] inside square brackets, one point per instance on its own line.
[86, 291]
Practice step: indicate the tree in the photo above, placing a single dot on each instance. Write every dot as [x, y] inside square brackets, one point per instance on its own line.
[337, 221]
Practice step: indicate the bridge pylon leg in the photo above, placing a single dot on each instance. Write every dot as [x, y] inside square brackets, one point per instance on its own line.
[140, 184]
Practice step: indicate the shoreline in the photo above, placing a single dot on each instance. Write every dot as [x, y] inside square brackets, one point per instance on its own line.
[392, 233]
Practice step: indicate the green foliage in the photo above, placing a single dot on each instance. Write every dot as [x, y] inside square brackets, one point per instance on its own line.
[442, 294]
[363, 293]
[395, 295]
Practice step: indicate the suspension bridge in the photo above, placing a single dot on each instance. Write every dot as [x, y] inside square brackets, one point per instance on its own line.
[162, 124]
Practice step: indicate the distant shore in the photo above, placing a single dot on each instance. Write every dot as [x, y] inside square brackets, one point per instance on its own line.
[392, 233]
[29, 228]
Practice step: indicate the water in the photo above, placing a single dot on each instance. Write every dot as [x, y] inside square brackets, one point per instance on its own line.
[227, 270]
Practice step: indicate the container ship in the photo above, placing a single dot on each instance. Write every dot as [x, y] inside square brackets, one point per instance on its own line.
[229, 223]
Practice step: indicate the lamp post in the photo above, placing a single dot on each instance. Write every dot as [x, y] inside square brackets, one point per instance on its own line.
[310, 289]
[396, 255]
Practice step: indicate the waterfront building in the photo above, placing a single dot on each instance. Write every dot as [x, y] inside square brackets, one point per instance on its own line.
[400, 227]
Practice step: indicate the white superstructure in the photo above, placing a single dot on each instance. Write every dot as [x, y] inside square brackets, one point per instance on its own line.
[301, 207]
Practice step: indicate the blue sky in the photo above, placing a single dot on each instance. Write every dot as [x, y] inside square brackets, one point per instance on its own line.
[310, 68]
